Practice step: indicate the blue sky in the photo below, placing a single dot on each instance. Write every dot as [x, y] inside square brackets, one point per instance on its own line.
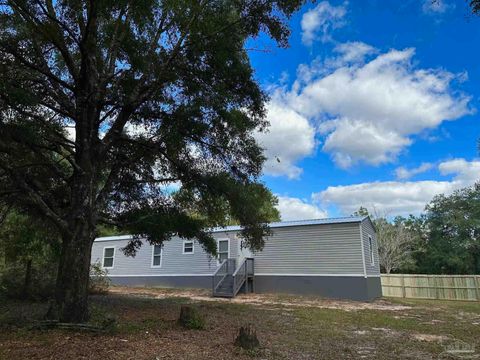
[375, 103]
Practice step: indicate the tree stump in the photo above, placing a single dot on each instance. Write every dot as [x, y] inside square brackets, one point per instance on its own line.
[190, 318]
[247, 338]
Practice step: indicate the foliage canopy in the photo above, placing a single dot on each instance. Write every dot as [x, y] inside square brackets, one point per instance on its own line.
[136, 114]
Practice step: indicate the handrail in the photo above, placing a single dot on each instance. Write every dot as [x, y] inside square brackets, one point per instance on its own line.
[216, 281]
[238, 275]
[241, 274]
[227, 267]
[244, 260]
[216, 271]
[238, 269]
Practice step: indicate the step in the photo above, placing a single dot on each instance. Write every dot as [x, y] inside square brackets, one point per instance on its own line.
[223, 294]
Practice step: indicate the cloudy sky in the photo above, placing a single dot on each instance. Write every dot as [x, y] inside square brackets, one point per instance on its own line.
[375, 103]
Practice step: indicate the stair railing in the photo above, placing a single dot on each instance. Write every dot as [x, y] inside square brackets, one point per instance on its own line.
[242, 273]
[227, 267]
[219, 275]
[239, 276]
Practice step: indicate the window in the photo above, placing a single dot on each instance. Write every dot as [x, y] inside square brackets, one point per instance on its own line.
[157, 256]
[370, 249]
[108, 256]
[188, 247]
[223, 249]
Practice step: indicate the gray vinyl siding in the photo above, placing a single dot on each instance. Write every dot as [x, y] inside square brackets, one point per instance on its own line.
[333, 249]
[321, 249]
[174, 262]
[367, 229]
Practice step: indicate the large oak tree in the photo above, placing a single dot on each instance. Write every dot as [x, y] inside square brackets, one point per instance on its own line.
[134, 113]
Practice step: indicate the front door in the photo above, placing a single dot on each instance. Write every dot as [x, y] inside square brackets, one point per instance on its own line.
[223, 250]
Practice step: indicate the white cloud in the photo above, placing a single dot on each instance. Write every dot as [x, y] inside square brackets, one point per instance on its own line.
[370, 110]
[296, 209]
[318, 22]
[354, 51]
[290, 138]
[353, 140]
[465, 171]
[402, 173]
[400, 198]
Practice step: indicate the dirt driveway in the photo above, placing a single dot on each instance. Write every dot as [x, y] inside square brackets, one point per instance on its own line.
[261, 299]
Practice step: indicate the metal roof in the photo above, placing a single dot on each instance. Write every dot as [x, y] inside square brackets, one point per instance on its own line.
[327, 221]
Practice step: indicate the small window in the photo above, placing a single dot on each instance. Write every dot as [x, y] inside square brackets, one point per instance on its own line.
[108, 256]
[370, 249]
[222, 250]
[157, 256]
[188, 247]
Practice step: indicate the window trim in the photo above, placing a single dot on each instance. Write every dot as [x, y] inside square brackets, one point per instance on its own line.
[370, 248]
[113, 257]
[193, 247]
[153, 256]
[218, 248]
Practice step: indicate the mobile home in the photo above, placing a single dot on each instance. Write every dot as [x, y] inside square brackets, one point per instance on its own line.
[335, 258]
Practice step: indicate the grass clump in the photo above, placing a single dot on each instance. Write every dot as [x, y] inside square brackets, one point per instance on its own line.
[190, 318]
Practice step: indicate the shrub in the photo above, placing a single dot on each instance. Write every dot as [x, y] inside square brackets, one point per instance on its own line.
[190, 318]
[41, 284]
[99, 281]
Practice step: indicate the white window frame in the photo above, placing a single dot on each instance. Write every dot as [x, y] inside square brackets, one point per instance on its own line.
[113, 257]
[193, 247]
[153, 256]
[218, 248]
[370, 249]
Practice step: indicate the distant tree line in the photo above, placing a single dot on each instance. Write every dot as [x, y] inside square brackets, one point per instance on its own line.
[443, 240]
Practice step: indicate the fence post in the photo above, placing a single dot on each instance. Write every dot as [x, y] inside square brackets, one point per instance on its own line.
[477, 287]
[404, 292]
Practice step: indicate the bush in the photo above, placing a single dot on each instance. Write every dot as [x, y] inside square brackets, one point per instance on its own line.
[41, 284]
[99, 281]
[42, 281]
[190, 318]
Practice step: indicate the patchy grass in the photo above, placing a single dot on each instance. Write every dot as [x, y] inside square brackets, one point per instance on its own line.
[287, 327]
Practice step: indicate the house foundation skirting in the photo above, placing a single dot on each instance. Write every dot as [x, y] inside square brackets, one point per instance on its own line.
[336, 287]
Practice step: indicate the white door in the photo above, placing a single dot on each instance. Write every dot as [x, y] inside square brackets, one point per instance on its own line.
[223, 250]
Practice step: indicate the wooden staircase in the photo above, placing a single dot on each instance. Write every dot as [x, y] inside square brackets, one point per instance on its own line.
[228, 280]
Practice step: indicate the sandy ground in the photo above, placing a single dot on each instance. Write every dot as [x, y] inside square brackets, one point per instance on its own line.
[288, 327]
[261, 299]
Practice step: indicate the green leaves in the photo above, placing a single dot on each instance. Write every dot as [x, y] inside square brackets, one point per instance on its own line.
[160, 94]
[453, 245]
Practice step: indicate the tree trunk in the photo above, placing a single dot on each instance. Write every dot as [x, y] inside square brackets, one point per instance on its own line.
[28, 279]
[71, 294]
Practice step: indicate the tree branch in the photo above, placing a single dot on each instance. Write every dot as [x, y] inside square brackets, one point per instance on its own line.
[35, 199]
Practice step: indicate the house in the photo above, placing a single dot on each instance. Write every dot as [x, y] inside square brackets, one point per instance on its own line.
[336, 258]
